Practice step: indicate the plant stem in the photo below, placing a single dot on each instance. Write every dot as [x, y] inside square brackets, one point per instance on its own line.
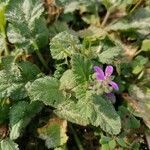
[6, 50]
[135, 6]
[139, 51]
[105, 18]
[42, 59]
[6, 47]
[80, 147]
[40, 56]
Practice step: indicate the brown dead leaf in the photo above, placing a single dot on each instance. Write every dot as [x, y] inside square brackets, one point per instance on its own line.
[53, 11]
[3, 131]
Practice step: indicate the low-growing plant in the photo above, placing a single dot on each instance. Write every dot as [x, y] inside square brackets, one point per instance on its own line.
[74, 73]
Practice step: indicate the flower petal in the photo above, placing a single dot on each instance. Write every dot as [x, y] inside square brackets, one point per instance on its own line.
[108, 71]
[99, 73]
[114, 85]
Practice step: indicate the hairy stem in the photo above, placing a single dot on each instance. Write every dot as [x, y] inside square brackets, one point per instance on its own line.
[40, 56]
[6, 47]
[41, 59]
[80, 147]
[6, 50]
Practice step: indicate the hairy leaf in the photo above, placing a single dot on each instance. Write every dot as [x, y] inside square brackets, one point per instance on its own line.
[57, 27]
[67, 80]
[13, 78]
[139, 102]
[54, 132]
[8, 144]
[26, 27]
[138, 20]
[100, 113]
[138, 64]
[69, 111]
[92, 109]
[20, 115]
[46, 90]
[92, 32]
[109, 4]
[109, 55]
[81, 68]
[63, 45]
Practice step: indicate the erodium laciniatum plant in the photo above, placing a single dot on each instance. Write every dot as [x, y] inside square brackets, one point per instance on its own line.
[74, 75]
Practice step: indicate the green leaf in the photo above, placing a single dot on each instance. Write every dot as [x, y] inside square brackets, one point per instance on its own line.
[60, 69]
[112, 144]
[108, 140]
[69, 111]
[138, 64]
[54, 133]
[102, 113]
[109, 4]
[139, 101]
[139, 20]
[14, 77]
[8, 144]
[92, 109]
[92, 32]
[139, 93]
[81, 68]
[122, 142]
[133, 123]
[104, 139]
[71, 7]
[105, 147]
[129, 121]
[20, 115]
[80, 91]
[46, 90]
[63, 45]
[57, 27]
[109, 55]
[146, 45]
[26, 25]
[67, 80]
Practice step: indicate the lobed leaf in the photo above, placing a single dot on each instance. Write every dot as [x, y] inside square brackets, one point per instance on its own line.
[81, 68]
[69, 111]
[14, 77]
[26, 26]
[109, 55]
[63, 45]
[92, 109]
[46, 90]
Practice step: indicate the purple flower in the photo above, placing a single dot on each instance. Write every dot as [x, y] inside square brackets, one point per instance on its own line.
[105, 77]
